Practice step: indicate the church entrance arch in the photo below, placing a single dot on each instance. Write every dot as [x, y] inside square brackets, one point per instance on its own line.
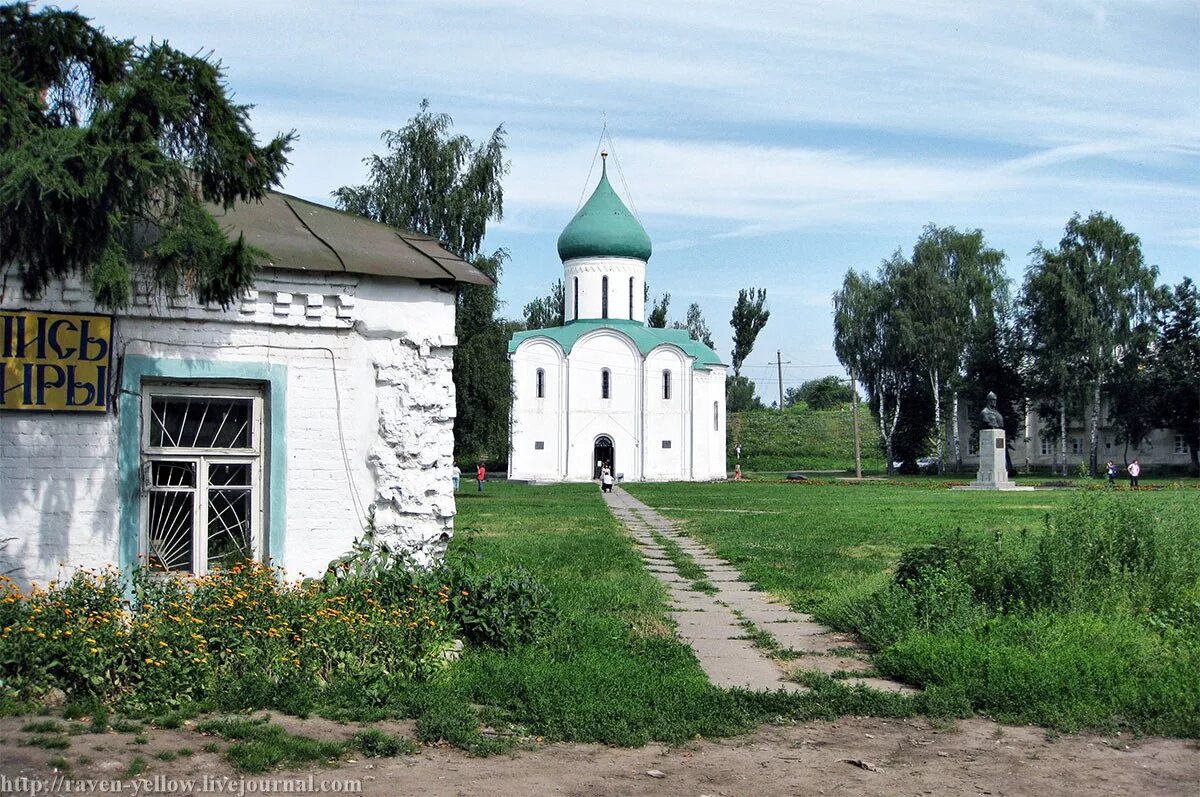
[604, 453]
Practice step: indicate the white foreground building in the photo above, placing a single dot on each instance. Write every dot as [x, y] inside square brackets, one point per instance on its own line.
[604, 388]
[186, 436]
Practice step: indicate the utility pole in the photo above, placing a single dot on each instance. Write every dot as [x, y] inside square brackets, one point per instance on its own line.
[857, 437]
[780, 362]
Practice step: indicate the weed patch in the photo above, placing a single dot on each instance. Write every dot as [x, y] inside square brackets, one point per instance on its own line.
[259, 746]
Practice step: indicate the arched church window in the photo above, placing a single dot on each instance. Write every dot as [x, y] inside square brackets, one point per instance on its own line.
[631, 298]
[605, 384]
[576, 303]
[666, 384]
[604, 296]
[541, 383]
[716, 416]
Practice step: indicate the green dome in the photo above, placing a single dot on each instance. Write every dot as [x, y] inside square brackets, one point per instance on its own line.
[604, 227]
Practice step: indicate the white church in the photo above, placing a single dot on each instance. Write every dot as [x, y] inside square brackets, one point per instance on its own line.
[604, 388]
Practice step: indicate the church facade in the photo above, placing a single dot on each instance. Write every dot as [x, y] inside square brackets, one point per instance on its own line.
[604, 388]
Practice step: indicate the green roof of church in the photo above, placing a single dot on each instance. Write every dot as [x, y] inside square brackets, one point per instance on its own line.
[604, 227]
[644, 337]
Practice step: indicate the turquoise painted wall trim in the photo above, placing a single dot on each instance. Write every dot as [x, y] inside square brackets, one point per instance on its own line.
[134, 369]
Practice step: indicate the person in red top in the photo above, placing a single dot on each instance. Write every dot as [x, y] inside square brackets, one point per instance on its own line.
[480, 476]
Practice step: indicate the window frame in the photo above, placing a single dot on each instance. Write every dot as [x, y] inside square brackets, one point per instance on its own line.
[202, 459]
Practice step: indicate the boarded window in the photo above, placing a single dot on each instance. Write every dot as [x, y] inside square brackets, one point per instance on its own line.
[539, 445]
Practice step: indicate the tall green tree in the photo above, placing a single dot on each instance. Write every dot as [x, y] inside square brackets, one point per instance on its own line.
[993, 364]
[433, 181]
[109, 152]
[739, 395]
[952, 283]
[1053, 357]
[1175, 381]
[658, 312]
[549, 310]
[750, 315]
[867, 341]
[697, 329]
[482, 373]
[819, 394]
[1107, 300]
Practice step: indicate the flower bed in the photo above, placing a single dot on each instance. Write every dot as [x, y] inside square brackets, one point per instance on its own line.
[239, 638]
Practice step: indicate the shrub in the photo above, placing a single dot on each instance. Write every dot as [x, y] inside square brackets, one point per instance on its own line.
[498, 608]
[1092, 623]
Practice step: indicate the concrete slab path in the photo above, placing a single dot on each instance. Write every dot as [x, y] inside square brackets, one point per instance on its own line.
[714, 625]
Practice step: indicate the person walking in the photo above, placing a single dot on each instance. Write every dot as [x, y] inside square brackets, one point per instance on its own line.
[1135, 470]
[456, 476]
[737, 451]
[737, 472]
[1111, 470]
[480, 476]
[606, 480]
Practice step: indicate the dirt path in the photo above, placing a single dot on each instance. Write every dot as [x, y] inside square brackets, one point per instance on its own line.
[909, 757]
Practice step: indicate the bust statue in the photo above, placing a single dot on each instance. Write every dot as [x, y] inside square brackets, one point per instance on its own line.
[992, 419]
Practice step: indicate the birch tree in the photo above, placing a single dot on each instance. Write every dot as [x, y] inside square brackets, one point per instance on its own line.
[1107, 300]
[868, 343]
[447, 185]
[945, 292]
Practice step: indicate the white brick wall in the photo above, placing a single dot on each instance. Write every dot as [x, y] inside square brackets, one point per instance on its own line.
[391, 343]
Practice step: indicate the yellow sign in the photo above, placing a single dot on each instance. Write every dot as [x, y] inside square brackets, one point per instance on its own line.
[54, 361]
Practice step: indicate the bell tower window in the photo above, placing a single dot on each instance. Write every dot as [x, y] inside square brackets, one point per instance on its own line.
[576, 302]
[604, 296]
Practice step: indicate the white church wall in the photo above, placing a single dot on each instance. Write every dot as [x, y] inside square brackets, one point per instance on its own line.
[592, 415]
[709, 433]
[362, 366]
[536, 450]
[666, 431]
[590, 272]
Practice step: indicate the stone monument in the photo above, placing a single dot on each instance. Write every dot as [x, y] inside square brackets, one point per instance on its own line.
[993, 465]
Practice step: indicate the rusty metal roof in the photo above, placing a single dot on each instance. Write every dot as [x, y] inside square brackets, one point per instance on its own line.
[305, 236]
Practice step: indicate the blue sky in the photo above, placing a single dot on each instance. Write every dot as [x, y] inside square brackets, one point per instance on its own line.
[767, 144]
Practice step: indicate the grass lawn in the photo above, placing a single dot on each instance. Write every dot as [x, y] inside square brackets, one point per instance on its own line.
[612, 671]
[807, 542]
[1120, 660]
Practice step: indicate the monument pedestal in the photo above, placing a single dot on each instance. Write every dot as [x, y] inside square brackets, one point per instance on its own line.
[993, 468]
